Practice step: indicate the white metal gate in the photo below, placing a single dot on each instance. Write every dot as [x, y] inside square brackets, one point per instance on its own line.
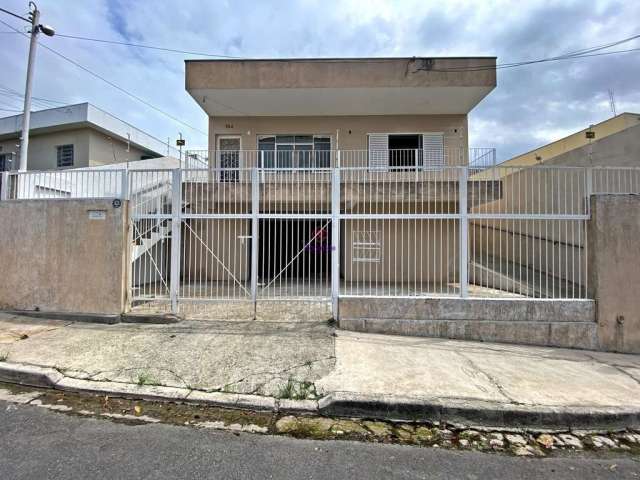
[252, 235]
[231, 235]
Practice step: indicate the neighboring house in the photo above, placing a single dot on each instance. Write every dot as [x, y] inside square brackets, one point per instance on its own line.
[75, 136]
[393, 116]
[613, 144]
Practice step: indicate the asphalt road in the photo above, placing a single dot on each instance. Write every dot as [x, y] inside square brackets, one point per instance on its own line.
[37, 443]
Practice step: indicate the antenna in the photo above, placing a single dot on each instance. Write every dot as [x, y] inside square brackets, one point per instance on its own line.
[612, 101]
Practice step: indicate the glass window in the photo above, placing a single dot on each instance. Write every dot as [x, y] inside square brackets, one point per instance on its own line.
[285, 139]
[64, 156]
[295, 151]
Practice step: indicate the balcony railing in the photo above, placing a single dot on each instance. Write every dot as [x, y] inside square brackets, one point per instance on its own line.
[378, 160]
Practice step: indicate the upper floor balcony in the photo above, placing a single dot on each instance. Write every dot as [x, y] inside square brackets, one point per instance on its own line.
[231, 164]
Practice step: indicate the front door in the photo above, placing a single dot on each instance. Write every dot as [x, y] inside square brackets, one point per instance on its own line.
[229, 155]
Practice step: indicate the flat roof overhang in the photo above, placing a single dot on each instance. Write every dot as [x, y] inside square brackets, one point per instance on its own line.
[305, 87]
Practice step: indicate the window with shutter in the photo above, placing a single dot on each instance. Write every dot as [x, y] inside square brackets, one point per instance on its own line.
[378, 151]
[433, 148]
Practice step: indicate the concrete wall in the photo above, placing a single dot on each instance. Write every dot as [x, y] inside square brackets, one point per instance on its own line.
[569, 324]
[104, 150]
[56, 257]
[346, 132]
[346, 73]
[614, 276]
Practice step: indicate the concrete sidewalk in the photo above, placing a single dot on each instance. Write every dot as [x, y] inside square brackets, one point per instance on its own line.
[341, 373]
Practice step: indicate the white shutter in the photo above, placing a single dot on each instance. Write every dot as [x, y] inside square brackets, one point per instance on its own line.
[433, 150]
[378, 151]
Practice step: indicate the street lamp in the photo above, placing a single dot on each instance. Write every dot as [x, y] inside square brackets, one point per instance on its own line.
[36, 27]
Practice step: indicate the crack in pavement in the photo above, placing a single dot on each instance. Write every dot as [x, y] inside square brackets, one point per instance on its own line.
[491, 379]
[276, 374]
[619, 368]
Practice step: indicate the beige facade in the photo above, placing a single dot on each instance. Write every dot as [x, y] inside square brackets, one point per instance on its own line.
[347, 133]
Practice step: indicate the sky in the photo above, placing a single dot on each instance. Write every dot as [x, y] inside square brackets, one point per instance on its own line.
[530, 107]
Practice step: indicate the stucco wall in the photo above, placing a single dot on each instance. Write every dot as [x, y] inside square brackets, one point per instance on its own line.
[327, 73]
[346, 132]
[105, 150]
[614, 276]
[42, 148]
[55, 257]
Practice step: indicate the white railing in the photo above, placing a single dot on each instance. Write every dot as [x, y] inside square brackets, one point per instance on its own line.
[65, 184]
[388, 160]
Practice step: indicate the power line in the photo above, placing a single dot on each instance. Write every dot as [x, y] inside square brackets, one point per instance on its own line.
[14, 15]
[583, 53]
[112, 84]
[151, 47]
[575, 54]
[18, 94]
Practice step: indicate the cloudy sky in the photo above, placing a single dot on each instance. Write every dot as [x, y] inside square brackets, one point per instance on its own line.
[530, 107]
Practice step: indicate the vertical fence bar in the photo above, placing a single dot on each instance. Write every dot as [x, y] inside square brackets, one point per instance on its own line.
[335, 241]
[464, 233]
[176, 220]
[255, 211]
[4, 186]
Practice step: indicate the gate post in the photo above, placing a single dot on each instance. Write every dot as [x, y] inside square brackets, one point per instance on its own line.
[124, 185]
[463, 248]
[255, 210]
[176, 224]
[335, 241]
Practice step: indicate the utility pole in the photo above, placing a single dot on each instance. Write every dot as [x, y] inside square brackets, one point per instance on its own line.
[36, 27]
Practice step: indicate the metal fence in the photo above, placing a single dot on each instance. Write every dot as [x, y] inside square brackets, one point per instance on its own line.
[310, 158]
[250, 234]
[102, 183]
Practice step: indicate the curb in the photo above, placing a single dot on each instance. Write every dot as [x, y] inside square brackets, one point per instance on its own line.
[477, 412]
[107, 319]
[346, 404]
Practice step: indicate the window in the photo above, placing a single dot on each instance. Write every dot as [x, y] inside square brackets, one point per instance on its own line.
[295, 151]
[65, 156]
[406, 151]
[4, 162]
[366, 246]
